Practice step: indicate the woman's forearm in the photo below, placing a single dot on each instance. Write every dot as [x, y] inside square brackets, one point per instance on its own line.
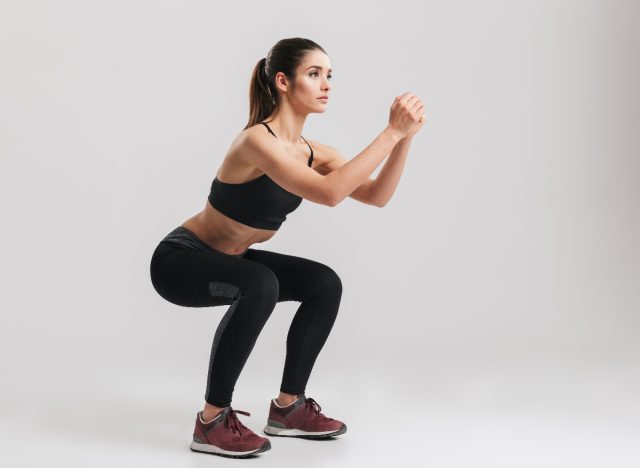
[351, 175]
[384, 185]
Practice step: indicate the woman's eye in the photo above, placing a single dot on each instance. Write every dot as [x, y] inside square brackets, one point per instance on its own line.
[315, 73]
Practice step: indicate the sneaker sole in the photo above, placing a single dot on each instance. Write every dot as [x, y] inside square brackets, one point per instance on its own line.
[284, 432]
[215, 450]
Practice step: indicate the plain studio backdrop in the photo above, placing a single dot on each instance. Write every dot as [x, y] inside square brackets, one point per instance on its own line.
[490, 311]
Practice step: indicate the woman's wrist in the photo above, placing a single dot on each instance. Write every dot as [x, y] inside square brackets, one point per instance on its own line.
[393, 134]
[406, 138]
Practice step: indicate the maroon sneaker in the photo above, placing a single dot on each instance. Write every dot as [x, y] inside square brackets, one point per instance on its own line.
[302, 418]
[225, 435]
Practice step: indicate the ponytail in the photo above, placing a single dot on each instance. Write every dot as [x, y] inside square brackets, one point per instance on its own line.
[261, 100]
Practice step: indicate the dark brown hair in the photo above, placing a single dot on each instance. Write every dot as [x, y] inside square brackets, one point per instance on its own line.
[285, 56]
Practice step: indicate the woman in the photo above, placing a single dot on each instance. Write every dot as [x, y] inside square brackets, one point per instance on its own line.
[208, 260]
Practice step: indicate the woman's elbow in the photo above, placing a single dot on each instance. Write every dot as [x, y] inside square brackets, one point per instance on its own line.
[333, 199]
[379, 203]
[323, 197]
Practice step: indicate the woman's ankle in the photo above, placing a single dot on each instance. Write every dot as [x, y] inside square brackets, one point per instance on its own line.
[285, 399]
[210, 412]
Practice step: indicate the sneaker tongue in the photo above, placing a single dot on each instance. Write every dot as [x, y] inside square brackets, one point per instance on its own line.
[299, 401]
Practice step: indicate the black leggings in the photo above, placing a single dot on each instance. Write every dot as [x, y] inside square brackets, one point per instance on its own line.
[187, 272]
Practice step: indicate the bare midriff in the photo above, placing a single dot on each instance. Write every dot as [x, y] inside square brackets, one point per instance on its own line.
[223, 233]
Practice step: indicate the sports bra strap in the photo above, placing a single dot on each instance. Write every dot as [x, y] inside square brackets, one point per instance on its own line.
[310, 157]
[269, 128]
[305, 140]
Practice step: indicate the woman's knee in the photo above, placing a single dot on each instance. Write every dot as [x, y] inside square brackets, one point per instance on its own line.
[262, 284]
[328, 283]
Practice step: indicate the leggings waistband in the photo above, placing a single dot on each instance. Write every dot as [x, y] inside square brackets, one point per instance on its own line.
[184, 237]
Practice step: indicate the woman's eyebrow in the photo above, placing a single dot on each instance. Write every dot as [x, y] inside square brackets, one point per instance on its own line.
[318, 66]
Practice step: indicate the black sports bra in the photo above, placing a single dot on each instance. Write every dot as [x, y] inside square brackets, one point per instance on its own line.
[259, 203]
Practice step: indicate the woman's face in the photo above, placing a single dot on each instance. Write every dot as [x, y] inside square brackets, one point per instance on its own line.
[312, 81]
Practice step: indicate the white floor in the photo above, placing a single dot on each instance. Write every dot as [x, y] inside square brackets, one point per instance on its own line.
[505, 413]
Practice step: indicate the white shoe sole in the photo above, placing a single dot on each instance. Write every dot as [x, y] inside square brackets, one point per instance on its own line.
[210, 448]
[280, 431]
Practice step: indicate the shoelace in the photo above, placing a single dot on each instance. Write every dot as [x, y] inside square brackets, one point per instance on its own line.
[233, 421]
[314, 406]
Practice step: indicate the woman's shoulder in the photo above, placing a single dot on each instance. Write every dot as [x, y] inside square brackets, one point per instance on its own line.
[250, 135]
[247, 139]
[250, 138]
[238, 155]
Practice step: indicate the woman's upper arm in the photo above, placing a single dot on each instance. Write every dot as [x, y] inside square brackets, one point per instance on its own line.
[271, 158]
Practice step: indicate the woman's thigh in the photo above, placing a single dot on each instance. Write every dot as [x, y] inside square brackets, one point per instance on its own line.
[201, 278]
[300, 279]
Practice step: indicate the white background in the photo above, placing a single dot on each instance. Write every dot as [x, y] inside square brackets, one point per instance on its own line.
[490, 311]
